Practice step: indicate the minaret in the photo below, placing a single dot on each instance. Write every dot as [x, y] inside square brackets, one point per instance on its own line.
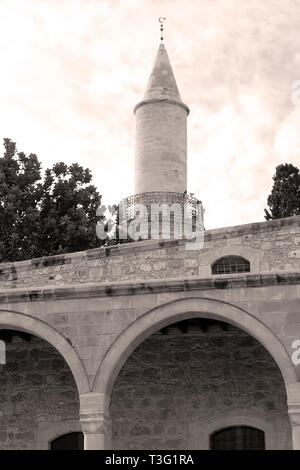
[161, 136]
[160, 157]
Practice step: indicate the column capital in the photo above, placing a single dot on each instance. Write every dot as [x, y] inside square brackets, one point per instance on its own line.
[95, 423]
[294, 415]
[93, 401]
[94, 415]
[293, 396]
[293, 393]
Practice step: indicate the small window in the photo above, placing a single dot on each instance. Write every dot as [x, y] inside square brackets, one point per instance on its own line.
[230, 265]
[238, 438]
[70, 441]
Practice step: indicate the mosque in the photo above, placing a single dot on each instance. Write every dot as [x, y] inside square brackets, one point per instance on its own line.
[148, 344]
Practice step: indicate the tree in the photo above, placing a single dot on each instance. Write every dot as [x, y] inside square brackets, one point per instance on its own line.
[20, 194]
[68, 210]
[41, 217]
[284, 200]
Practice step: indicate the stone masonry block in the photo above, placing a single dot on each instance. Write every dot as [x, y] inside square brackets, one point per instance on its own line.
[144, 300]
[100, 304]
[62, 306]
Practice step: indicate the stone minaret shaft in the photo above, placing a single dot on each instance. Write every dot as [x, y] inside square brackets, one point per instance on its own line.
[161, 136]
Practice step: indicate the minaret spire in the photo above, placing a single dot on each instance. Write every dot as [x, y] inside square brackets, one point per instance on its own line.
[162, 83]
[161, 120]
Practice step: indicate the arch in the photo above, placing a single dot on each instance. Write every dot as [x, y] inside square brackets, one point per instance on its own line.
[68, 441]
[238, 433]
[34, 326]
[238, 418]
[48, 432]
[182, 309]
[201, 432]
[253, 255]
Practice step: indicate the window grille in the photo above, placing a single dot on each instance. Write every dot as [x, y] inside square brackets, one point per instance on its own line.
[238, 438]
[231, 265]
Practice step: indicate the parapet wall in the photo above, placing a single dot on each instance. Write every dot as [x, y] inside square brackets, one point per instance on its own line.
[271, 247]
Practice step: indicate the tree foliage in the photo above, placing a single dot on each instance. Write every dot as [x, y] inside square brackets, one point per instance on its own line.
[44, 216]
[284, 200]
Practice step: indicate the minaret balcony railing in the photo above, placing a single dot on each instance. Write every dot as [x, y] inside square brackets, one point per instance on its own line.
[188, 203]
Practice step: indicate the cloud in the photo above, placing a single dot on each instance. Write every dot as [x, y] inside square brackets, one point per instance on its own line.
[72, 72]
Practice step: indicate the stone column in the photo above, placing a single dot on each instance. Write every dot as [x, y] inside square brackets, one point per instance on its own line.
[293, 393]
[95, 422]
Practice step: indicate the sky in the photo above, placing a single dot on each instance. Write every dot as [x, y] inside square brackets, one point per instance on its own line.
[72, 71]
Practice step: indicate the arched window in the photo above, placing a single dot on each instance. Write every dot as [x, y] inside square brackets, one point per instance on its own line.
[238, 438]
[230, 265]
[69, 441]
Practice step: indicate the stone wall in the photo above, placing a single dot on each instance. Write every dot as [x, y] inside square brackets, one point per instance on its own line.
[172, 386]
[164, 396]
[36, 387]
[271, 246]
[91, 298]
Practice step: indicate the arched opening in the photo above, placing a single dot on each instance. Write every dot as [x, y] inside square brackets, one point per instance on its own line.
[69, 441]
[185, 374]
[38, 386]
[238, 438]
[193, 307]
[21, 322]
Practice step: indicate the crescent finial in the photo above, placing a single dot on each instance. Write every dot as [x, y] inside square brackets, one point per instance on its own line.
[161, 20]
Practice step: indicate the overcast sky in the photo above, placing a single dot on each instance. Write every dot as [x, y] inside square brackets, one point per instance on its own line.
[72, 71]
